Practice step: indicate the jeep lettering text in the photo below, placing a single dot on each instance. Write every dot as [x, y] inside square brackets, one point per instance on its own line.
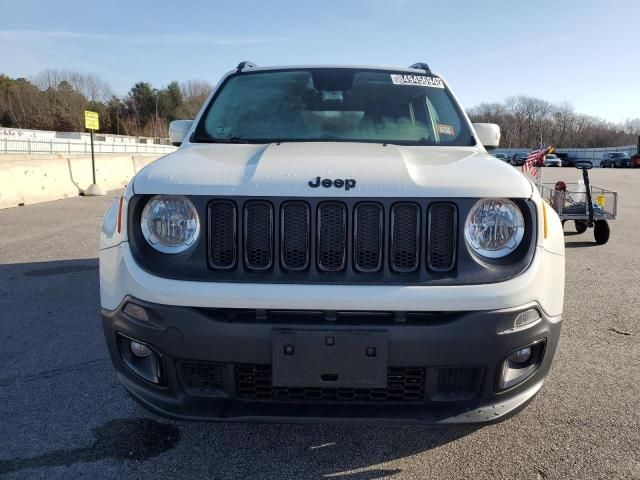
[347, 183]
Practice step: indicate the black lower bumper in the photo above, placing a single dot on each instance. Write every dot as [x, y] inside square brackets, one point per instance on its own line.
[441, 369]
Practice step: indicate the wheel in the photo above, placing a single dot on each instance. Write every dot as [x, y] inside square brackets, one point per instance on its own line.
[601, 232]
[581, 226]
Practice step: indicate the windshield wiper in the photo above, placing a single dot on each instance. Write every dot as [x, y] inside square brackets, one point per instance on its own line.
[221, 140]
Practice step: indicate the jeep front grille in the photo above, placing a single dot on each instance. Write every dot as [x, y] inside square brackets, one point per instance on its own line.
[320, 237]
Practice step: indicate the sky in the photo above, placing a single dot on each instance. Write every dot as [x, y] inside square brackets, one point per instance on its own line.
[584, 52]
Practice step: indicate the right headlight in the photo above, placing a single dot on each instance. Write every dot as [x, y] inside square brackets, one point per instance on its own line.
[170, 223]
[494, 227]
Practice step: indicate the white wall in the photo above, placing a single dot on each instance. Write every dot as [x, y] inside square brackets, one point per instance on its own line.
[27, 179]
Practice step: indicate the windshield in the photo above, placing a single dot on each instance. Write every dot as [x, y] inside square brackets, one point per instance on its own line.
[343, 104]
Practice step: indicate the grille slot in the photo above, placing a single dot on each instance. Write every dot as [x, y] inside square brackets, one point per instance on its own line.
[201, 376]
[295, 222]
[332, 236]
[367, 237]
[222, 234]
[258, 235]
[405, 237]
[404, 385]
[441, 244]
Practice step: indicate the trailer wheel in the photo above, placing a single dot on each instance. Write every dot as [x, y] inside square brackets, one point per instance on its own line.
[581, 226]
[601, 232]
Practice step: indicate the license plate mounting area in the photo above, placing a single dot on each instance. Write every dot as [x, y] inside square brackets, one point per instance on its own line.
[338, 359]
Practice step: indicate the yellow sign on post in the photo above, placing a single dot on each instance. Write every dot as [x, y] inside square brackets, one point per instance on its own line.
[91, 120]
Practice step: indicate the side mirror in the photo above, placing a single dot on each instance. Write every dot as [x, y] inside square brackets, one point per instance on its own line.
[584, 164]
[178, 130]
[488, 134]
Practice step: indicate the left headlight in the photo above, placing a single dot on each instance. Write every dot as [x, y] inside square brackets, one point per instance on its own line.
[494, 227]
[170, 223]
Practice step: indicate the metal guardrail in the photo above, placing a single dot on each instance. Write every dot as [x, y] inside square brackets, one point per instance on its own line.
[593, 155]
[34, 146]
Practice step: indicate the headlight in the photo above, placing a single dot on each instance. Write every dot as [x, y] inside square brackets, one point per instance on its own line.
[170, 223]
[494, 227]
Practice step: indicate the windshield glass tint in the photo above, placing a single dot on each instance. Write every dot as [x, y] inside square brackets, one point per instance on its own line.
[334, 105]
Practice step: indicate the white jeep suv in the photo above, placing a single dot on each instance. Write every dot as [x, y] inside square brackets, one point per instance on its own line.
[330, 244]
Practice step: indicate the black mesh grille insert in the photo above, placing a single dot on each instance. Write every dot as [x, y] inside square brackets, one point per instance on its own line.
[332, 236]
[405, 237]
[404, 384]
[295, 223]
[458, 383]
[201, 376]
[222, 224]
[258, 235]
[300, 240]
[367, 237]
[441, 244]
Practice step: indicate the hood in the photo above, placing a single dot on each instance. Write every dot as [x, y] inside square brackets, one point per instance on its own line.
[291, 169]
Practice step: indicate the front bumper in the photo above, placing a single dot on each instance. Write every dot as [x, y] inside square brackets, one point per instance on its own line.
[476, 341]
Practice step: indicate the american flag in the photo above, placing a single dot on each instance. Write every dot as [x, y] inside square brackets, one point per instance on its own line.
[536, 159]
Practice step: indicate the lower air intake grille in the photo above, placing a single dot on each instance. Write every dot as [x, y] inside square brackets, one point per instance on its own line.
[442, 233]
[201, 376]
[404, 384]
[458, 383]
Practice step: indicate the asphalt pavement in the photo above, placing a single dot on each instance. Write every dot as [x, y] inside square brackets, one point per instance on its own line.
[63, 414]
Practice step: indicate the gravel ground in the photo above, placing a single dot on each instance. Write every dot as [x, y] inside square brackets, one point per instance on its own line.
[64, 415]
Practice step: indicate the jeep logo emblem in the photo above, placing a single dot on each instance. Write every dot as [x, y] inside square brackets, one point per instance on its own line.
[347, 183]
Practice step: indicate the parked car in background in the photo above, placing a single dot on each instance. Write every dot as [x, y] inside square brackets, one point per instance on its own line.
[635, 161]
[564, 158]
[501, 156]
[615, 160]
[518, 159]
[552, 161]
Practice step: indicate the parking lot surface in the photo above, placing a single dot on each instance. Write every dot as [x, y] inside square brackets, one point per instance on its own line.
[64, 415]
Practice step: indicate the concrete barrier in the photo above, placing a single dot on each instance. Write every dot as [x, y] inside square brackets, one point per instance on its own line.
[26, 179]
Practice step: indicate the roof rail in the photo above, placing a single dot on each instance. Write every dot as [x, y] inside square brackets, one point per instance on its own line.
[245, 64]
[421, 66]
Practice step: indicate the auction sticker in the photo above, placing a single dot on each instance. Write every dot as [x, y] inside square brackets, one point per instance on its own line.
[417, 80]
[445, 129]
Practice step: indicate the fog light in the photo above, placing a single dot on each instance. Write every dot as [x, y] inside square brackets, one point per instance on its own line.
[141, 359]
[521, 356]
[136, 311]
[140, 350]
[520, 365]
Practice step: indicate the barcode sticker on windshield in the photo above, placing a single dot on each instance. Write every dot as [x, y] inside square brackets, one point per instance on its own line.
[445, 129]
[419, 80]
